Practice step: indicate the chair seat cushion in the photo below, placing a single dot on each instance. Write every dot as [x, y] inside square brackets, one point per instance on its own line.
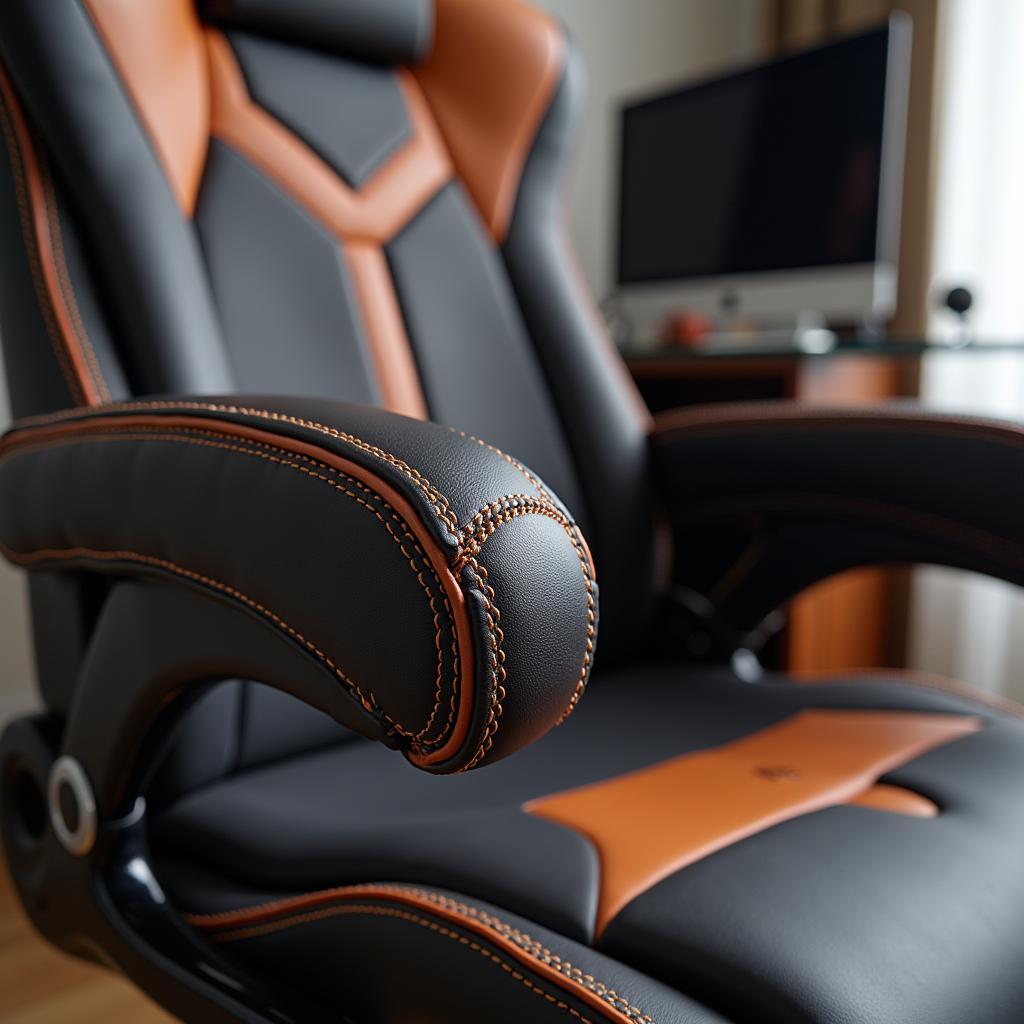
[846, 910]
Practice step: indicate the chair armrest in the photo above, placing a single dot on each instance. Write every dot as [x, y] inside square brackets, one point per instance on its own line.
[768, 498]
[436, 580]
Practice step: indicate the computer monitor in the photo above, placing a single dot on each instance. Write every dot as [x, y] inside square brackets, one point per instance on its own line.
[770, 192]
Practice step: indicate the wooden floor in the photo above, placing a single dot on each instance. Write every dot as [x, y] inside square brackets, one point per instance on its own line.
[41, 986]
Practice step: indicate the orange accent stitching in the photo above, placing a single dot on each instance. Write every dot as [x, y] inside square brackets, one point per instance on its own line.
[498, 672]
[439, 929]
[529, 945]
[182, 436]
[512, 506]
[444, 513]
[438, 500]
[75, 553]
[31, 250]
[64, 280]
[515, 463]
[502, 510]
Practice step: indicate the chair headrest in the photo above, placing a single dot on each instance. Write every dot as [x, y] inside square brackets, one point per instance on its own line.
[382, 31]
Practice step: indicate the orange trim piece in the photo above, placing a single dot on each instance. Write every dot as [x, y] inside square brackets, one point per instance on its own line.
[520, 947]
[489, 80]
[651, 823]
[157, 49]
[390, 350]
[375, 213]
[80, 430]
[38, 211]
[362, 220]
[896, 800]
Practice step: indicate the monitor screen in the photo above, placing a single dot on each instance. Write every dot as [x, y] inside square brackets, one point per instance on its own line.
[773, 168]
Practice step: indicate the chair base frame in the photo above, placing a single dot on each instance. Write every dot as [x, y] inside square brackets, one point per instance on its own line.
[157, 647]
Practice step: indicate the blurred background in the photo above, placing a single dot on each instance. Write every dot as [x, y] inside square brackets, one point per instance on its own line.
[937, 184]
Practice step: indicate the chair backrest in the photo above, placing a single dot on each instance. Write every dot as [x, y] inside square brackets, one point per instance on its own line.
[352, 198]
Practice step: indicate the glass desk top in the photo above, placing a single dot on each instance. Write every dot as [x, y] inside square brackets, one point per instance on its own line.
[887, 348]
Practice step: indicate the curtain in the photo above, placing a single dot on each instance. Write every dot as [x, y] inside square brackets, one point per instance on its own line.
[969, 627]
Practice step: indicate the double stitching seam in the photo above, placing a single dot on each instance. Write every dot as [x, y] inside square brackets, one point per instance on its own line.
[16, 160]
[520, 939]
[438, 500]
[503, 510]
[367, 700]
[423, 922]
[75, 553]
[514, 463]
[486, 521]
[496, 660]
[442, 509]
[574, 538]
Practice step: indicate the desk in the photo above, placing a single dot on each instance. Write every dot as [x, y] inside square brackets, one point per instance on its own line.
[859, 619]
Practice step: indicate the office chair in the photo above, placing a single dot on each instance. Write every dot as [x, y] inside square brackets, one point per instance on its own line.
[300, 361]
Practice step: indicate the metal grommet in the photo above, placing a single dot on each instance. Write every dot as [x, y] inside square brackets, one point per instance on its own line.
[77, 840]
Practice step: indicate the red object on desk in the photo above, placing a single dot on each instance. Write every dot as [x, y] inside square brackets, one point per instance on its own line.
[685, 328]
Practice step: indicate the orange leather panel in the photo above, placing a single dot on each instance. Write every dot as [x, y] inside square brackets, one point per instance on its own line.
[40, 223]
[157, 48]
[362, 220]
[394, 366]
[493, 70]
[897, 800]
[69, 432]
[508, 941]
[385, 203]
[651, 823]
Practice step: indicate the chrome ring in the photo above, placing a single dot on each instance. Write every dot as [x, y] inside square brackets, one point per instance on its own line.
[66, 771]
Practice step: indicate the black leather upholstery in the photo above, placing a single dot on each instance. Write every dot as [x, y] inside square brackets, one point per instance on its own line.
[146, 256]
[237, 514]
[255, 294]
[402, 965]
[748, 486]
[358, 204]
[843, 915]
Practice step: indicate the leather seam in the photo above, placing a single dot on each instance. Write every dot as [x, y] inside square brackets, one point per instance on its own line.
[442, 510]
[588, 568]
[520, 939]
[496, 658]
[368, 700]
[16, 160]
[502, 510]
[515, 463]
[64, 279]
[62, 555]
[438, 500]
[433, 926]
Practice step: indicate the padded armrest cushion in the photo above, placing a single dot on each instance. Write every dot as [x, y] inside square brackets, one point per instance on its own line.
[441, 583]
[767, 498]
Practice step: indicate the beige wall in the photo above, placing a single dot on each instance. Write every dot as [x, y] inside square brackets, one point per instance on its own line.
[633, 47]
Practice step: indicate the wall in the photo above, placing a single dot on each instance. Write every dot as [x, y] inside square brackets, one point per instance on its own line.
[969, 627]
[631, 48]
